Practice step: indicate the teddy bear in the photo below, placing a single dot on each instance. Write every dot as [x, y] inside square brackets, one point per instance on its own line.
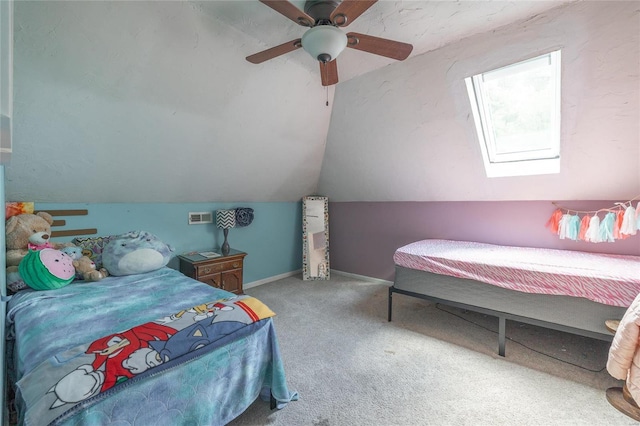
[74, 252]
[86, 269]
[19, 229]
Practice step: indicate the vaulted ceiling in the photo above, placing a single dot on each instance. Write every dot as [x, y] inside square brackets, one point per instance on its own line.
[427, 25]
[155, 102]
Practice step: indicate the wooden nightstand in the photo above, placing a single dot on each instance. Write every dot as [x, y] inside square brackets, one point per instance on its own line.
[224, 272]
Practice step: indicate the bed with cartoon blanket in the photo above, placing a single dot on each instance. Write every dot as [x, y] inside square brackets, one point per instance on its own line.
[155, 348]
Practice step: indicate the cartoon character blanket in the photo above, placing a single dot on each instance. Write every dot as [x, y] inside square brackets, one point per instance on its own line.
[85, 374]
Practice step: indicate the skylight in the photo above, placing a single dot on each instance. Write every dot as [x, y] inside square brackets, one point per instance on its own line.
[516, 110]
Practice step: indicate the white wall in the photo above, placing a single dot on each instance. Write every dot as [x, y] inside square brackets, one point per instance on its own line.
[133, 101]
[6, 79]
[405, 133]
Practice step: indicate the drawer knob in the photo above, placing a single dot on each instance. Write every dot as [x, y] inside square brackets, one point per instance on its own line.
[236, 265]
[207, 270]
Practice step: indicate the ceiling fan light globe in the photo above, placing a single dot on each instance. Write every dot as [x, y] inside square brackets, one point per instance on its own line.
[323, 40]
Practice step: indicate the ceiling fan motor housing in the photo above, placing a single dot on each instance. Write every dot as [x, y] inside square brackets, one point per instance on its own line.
[321, 10]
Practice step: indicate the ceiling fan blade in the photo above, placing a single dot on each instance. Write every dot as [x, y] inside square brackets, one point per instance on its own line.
[379, 46]
[290, 11]
[349, 10]
[274, 52]
[329, 73]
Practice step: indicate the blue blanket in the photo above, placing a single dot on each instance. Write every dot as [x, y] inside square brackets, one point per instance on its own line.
[73, 384]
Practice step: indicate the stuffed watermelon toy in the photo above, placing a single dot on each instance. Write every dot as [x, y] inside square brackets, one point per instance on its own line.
[46, 269]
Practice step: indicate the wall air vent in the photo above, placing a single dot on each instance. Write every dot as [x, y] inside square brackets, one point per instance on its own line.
[200, 217]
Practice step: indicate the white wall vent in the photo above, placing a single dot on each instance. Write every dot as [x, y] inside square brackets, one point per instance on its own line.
[200, 217]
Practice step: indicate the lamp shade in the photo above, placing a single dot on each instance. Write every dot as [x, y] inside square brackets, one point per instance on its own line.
[324, 42]
[225, 219]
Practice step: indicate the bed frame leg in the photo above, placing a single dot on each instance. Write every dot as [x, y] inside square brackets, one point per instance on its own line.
[272, 402]
[389, 309]
[502, 323]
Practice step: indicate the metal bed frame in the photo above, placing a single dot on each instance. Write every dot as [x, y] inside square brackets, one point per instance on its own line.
[569, 314]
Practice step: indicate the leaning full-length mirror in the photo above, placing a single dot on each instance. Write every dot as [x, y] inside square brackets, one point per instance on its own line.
[315, 238]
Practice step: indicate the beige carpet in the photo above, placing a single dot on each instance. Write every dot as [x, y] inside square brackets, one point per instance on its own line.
[432, 365]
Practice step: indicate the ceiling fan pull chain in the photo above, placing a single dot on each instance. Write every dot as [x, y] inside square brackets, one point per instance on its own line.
[324, 72]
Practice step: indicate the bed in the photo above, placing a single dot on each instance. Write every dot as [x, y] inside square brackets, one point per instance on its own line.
[570, 291]
[82, 330]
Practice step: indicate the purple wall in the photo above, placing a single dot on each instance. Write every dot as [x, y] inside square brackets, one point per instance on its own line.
[364, 235]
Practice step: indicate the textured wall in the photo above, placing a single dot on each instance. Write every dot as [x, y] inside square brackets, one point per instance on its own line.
[154, 102]
[405, 133]
[364, 235]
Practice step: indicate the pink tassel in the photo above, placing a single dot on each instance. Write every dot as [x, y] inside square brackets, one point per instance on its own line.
[554, 221]
[617, 225]
[584, 226]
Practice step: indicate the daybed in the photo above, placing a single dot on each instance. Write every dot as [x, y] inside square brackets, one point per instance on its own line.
[108, 352]
[571, 291]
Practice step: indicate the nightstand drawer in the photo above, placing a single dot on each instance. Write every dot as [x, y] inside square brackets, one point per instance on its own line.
[203, 270]
[224, 272]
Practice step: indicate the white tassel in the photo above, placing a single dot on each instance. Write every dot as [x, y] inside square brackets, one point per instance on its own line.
[593, 232]
[563, 229]
[629, 222]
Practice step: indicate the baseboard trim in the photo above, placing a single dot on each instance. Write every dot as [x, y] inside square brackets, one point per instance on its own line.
[362, 277]
[333, 271]
[270, 279]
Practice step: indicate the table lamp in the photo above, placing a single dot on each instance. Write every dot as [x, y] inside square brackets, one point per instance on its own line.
[225, 219]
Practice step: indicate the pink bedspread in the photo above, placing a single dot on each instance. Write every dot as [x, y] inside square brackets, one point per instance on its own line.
[604, 278]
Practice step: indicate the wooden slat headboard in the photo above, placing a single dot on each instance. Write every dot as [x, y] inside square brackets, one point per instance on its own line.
[60, 223]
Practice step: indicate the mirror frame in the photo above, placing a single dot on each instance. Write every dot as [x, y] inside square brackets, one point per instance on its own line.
[305, 240]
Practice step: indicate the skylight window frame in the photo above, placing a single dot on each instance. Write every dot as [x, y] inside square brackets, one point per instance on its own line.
[527, 162]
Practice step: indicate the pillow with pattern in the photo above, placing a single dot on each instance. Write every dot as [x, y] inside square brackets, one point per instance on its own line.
[92, 247]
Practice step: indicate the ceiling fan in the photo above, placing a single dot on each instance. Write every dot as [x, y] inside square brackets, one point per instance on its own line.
[324, 40]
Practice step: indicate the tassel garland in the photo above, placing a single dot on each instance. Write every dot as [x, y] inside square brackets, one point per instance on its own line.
[620, 222]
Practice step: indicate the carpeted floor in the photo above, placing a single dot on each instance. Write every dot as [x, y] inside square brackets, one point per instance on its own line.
[432, 365]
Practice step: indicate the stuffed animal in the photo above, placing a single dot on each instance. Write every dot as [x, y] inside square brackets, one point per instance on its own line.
[135, 252]
[86, 269]
[73, 252]
[46, 269]
[18, 229]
